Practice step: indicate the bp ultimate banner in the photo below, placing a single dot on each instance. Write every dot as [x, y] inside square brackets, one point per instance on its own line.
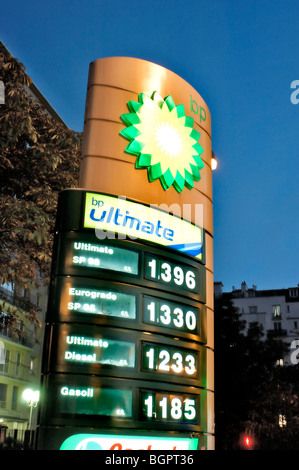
[128, 356]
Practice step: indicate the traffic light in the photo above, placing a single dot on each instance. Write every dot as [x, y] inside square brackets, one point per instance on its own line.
[247, 441]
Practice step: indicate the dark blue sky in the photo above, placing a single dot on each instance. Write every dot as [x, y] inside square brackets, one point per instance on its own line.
[241, 56]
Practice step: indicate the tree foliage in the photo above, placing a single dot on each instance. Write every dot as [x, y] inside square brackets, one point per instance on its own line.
[39, 157]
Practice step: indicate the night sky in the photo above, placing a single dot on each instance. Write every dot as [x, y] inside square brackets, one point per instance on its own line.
[242, 58]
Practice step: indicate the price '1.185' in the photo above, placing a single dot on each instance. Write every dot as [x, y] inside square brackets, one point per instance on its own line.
[166, 407]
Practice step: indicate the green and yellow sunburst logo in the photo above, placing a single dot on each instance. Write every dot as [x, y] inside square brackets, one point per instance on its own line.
[163, 140]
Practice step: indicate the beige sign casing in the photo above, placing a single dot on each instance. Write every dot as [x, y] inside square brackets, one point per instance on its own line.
[106, 166]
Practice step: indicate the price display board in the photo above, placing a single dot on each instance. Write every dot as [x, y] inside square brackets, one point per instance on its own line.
[82, 300]
[130, 262]
[126, 330]
[123, 402]
[103, 350]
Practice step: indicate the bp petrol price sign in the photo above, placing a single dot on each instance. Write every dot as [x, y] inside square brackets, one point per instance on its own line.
[126, 318]
[130, 309]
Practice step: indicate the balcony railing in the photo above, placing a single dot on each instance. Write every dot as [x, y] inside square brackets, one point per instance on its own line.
[12, 335]
[16, 299]
[6, 330]
[279, 332]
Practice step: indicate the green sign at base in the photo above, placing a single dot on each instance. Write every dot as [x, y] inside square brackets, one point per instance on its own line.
[114, 442]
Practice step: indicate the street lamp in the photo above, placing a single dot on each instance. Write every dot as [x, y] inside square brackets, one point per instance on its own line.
[32, 398]
[214, 162]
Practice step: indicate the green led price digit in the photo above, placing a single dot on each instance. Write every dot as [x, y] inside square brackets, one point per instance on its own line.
[168, 313]
[152, 265]
[164, 360]
[172, 274]
[169, 407]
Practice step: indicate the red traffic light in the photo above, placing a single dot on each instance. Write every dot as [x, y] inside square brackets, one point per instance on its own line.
[247, 441]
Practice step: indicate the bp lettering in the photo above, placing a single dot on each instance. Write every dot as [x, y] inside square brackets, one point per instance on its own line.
[95, 202]
[197, 109]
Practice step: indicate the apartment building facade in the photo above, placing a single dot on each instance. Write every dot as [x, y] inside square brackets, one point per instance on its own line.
[20, 357]
[276, 310]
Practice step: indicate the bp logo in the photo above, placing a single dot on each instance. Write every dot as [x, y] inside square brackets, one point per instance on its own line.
[163, 140]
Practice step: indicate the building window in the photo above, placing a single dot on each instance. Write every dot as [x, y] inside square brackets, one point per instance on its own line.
[8, 286]
[20, 326]
[282, 421]
[4, 367]
[276, 311]
[25, 292]
[293, 292]
[4, 324]
[38, 300]
[253, 309]
[14, 399]
[2, 352]
[3, 391]
[17, 364]
[277, 326]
